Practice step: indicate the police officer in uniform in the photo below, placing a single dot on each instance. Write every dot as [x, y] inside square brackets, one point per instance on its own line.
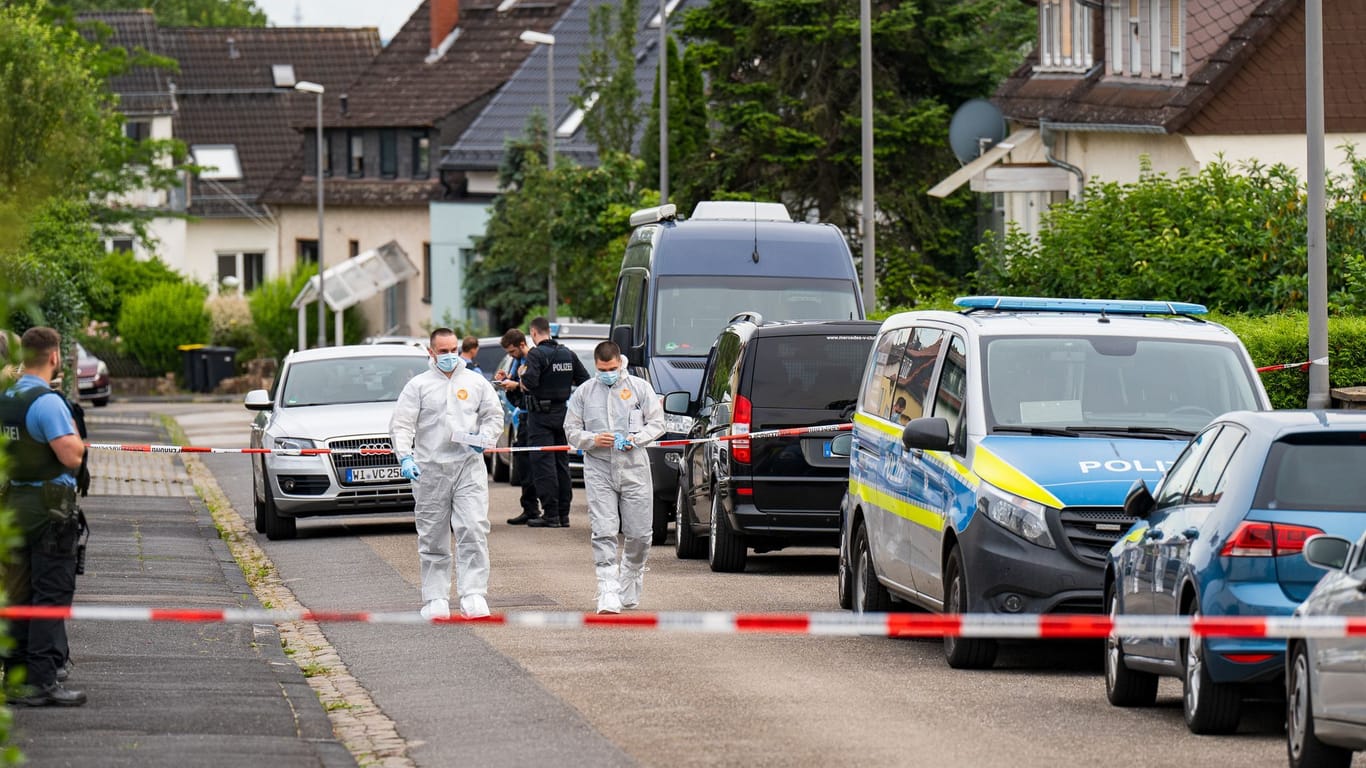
[514, 343]
[552, 371]
[45, 452]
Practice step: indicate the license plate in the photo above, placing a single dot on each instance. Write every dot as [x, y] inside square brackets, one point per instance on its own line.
[825, 449]
[373, 475]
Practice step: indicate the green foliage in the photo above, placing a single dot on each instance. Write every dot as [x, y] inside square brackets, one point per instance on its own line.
[1284, 338]
[230, 325]
[608, 69]
[277, 322]
[125, 275]
[153, 323]
[182, 13]
[688, 134]
[1231, 239]
[55, 261]
[785, 103]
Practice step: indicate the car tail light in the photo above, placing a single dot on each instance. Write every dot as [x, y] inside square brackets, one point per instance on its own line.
[739, 425]
[742, 491]
[1256, 539]
[1248, 658]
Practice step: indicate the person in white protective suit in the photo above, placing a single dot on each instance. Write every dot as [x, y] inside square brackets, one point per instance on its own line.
[611, 417]
[443, 420]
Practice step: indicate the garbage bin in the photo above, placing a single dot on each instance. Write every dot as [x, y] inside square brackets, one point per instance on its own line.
[194, 377]
[216, 364]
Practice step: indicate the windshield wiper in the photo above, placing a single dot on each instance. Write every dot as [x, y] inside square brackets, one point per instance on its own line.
[1160, 432]
[1035, 430]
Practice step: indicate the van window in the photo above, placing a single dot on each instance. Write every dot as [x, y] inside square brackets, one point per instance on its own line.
[953, 385]
[1110, 381]
[692, 309]
[813, 372]
[912, 384]
[717, 386]
[629, 309]
[882, 364]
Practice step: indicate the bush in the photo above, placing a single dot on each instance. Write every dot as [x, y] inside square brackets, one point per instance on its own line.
[231, 326]
[153, 323]
[126, 276]
[277, 322]
[1284, 338]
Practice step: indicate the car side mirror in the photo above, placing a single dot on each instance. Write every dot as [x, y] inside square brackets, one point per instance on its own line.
[842, 446]
[677, 403]
[1138, 502]
[258, 400]
[624, 337]
[927, 434]
[1327, 552]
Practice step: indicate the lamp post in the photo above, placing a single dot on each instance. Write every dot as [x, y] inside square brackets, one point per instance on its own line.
[663, 103]
[531, 37]
[314, 88]
[866, 130]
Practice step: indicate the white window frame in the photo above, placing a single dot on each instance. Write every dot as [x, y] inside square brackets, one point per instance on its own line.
[1147, 38]
[1065, 36]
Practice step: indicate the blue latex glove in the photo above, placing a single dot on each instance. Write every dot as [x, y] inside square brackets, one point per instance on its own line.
[516, 416]
[409, 469]
[622, 443]
[476, 448]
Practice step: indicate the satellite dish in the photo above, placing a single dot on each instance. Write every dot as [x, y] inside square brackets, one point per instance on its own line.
[976, 126]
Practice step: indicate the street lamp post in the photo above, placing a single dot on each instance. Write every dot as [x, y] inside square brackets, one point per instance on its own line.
[663, 103]
[318, 90]
[532, 37]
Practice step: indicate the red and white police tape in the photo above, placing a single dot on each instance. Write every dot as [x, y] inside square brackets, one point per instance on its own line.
[836, 624]
[151, 448]
[1304, 366]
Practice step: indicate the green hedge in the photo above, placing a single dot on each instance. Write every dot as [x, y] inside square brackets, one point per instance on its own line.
[1284, 338]
[153, 323]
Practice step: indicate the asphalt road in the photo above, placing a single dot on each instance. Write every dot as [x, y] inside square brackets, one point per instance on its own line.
[505, 696]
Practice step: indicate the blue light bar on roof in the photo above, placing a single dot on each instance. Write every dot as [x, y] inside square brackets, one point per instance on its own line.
[1109, 306]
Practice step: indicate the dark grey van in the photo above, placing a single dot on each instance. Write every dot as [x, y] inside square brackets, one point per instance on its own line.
[683, 280]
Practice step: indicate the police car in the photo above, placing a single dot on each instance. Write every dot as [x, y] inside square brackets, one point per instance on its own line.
[992, 448]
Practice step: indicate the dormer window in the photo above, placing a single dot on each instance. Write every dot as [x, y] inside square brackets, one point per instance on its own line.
[1064, 36]
[1147, 38]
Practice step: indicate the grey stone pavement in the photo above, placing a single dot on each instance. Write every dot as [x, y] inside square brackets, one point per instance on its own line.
[166, 694]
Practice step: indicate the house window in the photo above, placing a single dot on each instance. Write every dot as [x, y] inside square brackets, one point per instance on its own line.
[306, 251]
[422, 154]
[426, 273]
[311, 160]
[1064, 36]
[1147, 38]
[120, 245]
[248, 268]
[388, 153]
[353, 248]
[355, 154]
[138, 130]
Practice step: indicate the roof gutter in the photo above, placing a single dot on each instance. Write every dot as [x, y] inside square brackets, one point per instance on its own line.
[1048, 135]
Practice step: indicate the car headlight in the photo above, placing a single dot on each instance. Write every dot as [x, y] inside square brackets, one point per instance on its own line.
[101, 369]
[1022, 517]
[293, 443]
[677, 424]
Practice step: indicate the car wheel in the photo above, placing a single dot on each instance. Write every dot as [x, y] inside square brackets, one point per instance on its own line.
[100, 402]
[868, 594]
[726, 551]
[1210, 707]
[1302, 744]
[259, 507]
[1124, 687]
[687, 544]
[277, 526]
[845, 576]
[514, 472]
[963, 652]
[659, 525]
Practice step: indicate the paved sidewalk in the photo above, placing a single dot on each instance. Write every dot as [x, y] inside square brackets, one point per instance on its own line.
[170, 694]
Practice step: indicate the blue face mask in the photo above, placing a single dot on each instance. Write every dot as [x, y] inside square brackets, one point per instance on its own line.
[449, 362]
[609, 378]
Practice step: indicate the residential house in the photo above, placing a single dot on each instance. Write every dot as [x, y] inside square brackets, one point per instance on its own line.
[380, 137]
[472, 163]
[232, 103]
[1179, 82]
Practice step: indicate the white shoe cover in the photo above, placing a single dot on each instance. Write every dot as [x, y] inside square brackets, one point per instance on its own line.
[609, 602]
[474, 606]
[436, 609]
[631, 584]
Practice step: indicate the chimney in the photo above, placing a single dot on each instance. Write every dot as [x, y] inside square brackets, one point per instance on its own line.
[445, 15]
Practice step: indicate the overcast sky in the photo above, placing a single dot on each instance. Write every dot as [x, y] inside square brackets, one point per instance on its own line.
[388, 15]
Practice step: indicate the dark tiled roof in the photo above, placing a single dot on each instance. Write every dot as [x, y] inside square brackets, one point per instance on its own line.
[291, 187]
[400, 89]
[227, 96]
[1223, 38]
[481, 147]
[143, 91]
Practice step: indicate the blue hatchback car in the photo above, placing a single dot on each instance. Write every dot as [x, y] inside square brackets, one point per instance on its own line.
[1223, 535]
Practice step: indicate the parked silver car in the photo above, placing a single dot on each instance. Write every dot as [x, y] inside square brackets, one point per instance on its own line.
[1326, 677]
[338, 398]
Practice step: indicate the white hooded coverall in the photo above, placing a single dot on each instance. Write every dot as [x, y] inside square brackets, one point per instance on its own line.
[620, 491]
[452, 493]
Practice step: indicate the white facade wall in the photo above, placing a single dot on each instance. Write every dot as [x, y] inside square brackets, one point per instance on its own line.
[207, 238]
[370, 227]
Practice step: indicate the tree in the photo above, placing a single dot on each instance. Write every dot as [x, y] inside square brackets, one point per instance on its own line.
[181, 13]
[784, 96]
[608, 93]
[688, 137]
